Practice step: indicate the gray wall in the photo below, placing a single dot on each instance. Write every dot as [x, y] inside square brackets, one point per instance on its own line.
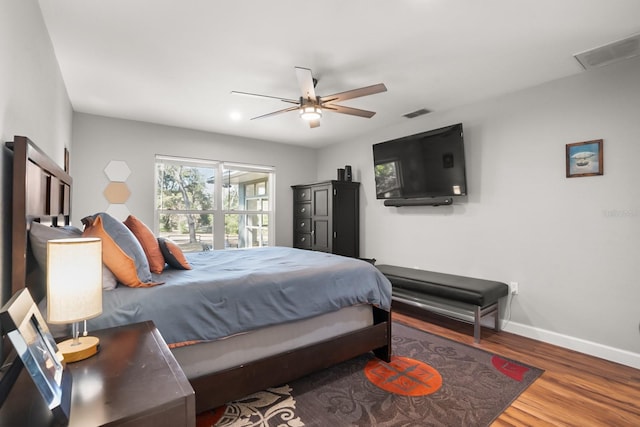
[98, 140]
[33, 102]
[572, 244]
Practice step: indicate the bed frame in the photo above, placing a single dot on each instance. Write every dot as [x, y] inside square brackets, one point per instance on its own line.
[42, 192]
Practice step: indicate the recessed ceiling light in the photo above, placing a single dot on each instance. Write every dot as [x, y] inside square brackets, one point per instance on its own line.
[235, 116]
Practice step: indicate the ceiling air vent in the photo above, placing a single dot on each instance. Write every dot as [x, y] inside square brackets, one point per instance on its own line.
[608, 54]
[416, 113]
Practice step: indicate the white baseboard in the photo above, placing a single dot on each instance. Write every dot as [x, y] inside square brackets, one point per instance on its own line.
[613, 354]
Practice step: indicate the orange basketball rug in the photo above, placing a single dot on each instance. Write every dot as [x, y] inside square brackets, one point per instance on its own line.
[430, 381]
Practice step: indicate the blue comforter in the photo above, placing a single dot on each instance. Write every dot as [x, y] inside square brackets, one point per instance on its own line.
[233, 291]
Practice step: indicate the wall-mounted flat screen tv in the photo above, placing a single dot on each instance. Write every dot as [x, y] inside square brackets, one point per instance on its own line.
[420, 167]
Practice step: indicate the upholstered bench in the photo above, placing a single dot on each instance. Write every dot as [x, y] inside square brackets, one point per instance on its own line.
[463, 298]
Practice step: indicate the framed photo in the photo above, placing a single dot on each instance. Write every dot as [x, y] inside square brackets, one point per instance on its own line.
[66, 160]
[33, 342]
[584, 158]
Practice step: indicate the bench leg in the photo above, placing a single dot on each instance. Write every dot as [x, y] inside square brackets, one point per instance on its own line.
[477, 317]
[476, 324]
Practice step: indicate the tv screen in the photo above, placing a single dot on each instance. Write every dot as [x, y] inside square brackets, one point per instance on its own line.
[425, 165]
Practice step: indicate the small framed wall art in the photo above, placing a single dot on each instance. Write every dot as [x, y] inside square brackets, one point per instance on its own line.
[584, 158]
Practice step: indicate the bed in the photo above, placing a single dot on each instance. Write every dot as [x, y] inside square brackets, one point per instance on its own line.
[235, 363]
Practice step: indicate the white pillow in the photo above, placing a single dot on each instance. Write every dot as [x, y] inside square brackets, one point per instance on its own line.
[39, 234]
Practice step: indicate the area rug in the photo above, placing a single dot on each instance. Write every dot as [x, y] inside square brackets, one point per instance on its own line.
[431, 381]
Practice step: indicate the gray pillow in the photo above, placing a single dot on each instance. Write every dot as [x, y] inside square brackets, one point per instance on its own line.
[39, 234]
[126, 241]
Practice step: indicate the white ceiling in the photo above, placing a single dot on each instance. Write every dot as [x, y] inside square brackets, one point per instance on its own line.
[175, 62]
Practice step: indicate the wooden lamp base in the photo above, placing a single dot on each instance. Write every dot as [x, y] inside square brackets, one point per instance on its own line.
[83, 349]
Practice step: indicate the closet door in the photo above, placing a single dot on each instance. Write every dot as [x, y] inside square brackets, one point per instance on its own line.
[321, 218]
[346, 220]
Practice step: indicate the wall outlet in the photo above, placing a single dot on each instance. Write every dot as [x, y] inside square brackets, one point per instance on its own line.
[513, 286]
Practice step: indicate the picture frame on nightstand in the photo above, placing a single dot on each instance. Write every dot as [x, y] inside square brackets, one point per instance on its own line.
[28, 332]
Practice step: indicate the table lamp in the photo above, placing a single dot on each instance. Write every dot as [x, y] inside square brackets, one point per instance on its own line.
[74, 291]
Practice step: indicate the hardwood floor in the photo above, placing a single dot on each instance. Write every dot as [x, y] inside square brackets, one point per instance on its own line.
[575, 389]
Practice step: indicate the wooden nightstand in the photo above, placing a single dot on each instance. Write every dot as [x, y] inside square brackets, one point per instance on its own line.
[134, 380]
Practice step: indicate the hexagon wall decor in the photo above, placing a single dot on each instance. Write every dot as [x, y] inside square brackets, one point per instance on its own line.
[117, 170]
[119, 211]
[117, 192]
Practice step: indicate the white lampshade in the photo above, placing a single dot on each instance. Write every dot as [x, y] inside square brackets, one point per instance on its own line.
[74, 279]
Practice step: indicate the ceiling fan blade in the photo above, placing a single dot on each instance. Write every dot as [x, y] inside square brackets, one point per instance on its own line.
[275, 113]
[255, 95]
[305, 81]
[354, 93]
[314, 123]
[349, 110]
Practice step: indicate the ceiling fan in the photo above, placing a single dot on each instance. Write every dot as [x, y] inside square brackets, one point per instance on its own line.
[311, 106]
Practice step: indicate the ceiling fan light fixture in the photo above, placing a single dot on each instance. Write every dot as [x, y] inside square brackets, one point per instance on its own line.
[310, 112]
[310, 106]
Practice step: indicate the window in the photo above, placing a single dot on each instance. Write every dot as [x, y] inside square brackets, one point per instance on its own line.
[204, 204]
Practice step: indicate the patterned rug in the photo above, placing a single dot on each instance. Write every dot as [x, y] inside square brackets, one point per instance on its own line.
[431, 381]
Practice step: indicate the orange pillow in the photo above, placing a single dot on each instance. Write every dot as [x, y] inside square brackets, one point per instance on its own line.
[173, 254]
[148, 242]
[121, 265]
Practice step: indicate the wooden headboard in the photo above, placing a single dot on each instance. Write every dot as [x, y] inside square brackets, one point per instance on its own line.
[41, 191]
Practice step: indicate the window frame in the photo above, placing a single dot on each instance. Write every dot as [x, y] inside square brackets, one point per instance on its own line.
[217, 212]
